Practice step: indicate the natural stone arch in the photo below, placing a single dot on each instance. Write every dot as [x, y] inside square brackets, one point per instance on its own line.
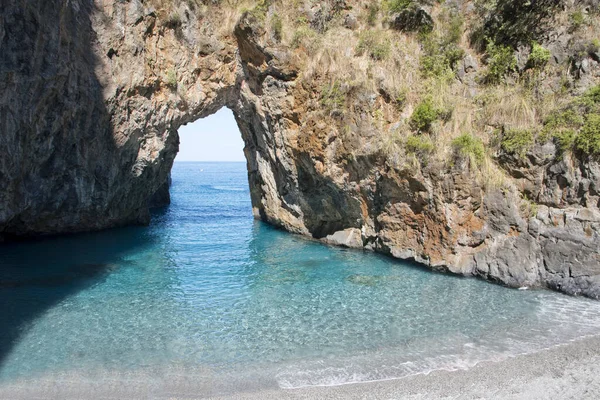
[142, 78]
[95, 90]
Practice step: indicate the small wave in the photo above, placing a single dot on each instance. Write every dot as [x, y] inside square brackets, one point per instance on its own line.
[353, 374]
[229, 189]
[340, 376]
[562, 320]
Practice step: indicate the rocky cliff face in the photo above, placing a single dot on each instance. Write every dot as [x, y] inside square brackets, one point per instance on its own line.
[93, 92]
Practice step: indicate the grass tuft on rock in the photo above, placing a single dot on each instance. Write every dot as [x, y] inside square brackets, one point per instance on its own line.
[517, 141]
[467, 145]
[588, 140]
[501, 61]
[539, 56]
[419, 144]
[423, 116]
[371, 43]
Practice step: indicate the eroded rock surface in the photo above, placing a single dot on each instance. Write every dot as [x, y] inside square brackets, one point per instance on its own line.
[93, 93]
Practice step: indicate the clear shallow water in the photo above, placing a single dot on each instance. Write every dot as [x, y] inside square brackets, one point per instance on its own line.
[207, 293]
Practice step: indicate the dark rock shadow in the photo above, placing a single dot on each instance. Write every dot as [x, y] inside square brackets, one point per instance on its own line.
[36, 276]
[56, 153]
[59, 159]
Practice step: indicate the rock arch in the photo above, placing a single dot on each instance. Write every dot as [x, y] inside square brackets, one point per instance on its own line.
[93, 92]
[94, 104]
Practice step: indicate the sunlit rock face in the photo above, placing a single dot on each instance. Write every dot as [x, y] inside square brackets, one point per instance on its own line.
[92, 94]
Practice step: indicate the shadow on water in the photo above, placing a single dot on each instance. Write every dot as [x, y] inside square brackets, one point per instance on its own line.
[36, 276]
[54, 99]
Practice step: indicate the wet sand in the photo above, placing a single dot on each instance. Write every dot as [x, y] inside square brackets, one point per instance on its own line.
[570, 371]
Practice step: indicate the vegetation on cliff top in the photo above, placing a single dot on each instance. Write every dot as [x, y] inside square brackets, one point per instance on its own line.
[446, 89]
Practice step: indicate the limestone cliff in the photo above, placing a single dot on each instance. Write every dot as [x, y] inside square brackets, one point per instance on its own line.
[379, 125]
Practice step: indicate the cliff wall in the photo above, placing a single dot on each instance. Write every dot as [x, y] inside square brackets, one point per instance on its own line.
[442, 132]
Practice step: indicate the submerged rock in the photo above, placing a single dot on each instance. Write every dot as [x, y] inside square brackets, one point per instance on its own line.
[364, 280]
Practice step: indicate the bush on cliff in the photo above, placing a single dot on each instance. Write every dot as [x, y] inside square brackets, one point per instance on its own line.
[441, 50]
[539, 56]
[332, 97]
[374, 45]
[467, 145]
[372, 12]
[517, 22]
[419, 144]
[277, 27]
[591, 98]
[565, 139]
[423, 116]
[517, 141]
[588, 140]
[172, 79]
[500, 60]
[396, 6]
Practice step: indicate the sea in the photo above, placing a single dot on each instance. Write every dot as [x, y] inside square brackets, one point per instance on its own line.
[208, 300]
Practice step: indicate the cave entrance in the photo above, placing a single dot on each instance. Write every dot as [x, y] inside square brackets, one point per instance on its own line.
[209, 175]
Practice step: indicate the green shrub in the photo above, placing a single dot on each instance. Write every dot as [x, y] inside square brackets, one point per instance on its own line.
[400, 99]
[423, 116]
[588, 140]
[434, 65]
[568, 118]
[518, 22]
[419, 144]
[591, 97]
[277, 27]
[366, 42]
[303, 37]
[539, 56]
[517, 141]
[373, 10]
[576, 21]
[371, 43]
[442, 53]
[259, 11]
[171, 79]
[577, 127]
[381, 51]
[438, 64]
[500, 60]
[332, 97]
[454, 30]
[395, 6]
[453, 55]
[467, 145]
[565, 140]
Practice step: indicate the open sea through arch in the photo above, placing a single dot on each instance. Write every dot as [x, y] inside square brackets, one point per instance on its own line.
[207, 300]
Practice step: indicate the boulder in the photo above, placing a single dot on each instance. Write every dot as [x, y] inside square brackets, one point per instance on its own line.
[351, 238]
[412, 19]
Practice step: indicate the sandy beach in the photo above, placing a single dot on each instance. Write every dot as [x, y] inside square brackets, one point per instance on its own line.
[570, 371]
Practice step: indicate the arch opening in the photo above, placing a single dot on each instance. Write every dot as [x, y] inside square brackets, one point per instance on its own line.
[210, 163]
[215, 138]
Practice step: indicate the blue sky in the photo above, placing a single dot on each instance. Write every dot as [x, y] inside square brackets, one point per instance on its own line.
[214, 138]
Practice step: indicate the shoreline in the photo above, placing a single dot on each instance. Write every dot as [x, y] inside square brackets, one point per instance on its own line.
[566, 371]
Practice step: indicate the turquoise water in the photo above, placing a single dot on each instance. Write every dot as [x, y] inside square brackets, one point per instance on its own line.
[209, 295]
